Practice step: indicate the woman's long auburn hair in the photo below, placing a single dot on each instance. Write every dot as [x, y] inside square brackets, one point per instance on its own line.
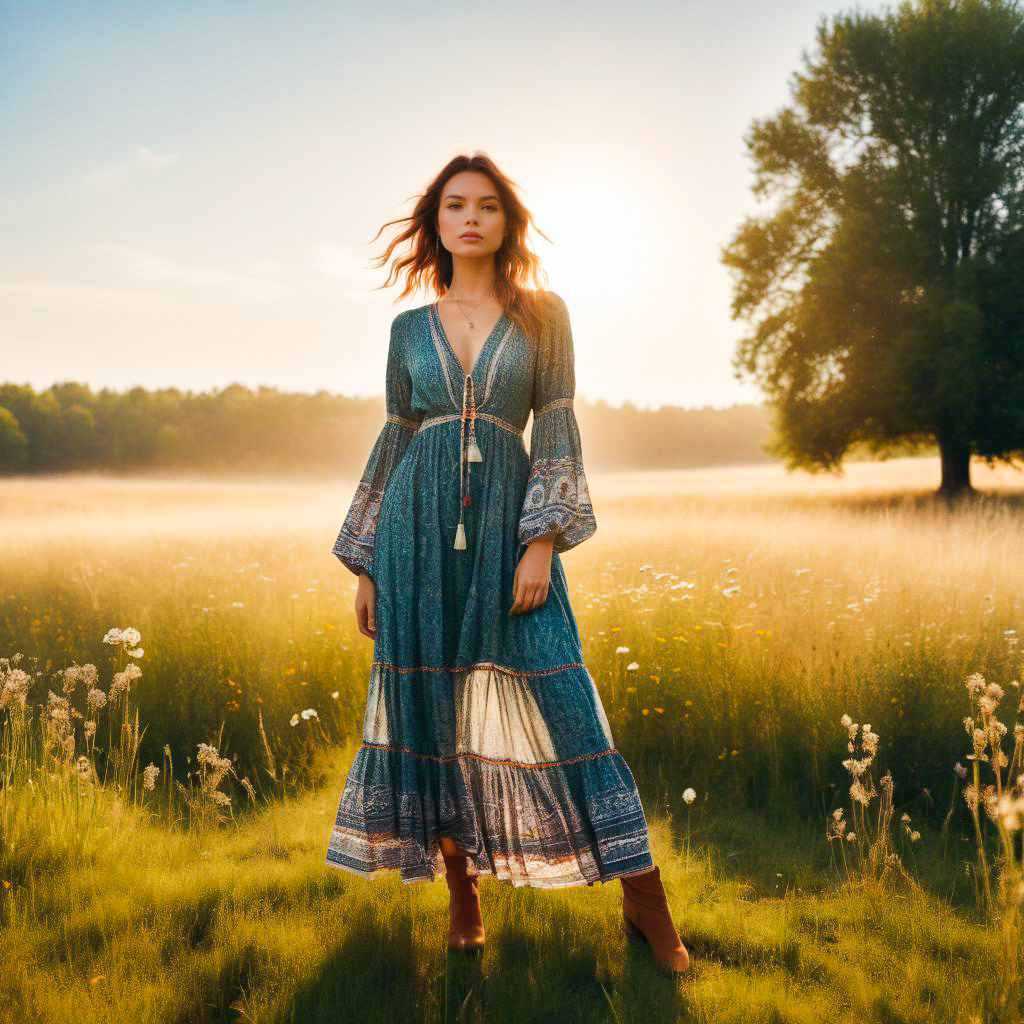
[428, 263]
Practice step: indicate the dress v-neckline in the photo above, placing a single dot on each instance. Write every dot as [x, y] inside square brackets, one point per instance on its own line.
[451, 350]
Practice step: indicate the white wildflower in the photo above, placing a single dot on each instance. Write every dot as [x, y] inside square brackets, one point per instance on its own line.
[75, 674]
[14, 684]
[123, 680]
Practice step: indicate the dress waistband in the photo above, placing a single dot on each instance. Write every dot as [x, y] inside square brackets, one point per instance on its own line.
[431, 421]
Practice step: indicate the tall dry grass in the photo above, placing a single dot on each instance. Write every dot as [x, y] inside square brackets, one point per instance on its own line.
[734, 622]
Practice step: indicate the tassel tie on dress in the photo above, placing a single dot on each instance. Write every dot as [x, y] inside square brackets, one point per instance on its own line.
[467, 454]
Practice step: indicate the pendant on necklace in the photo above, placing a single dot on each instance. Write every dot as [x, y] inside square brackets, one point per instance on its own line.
[471, 324]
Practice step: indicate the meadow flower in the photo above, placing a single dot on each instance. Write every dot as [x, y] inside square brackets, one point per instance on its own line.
[128, 639]
[14, 684]
[980, 742]
[1011, 810]
[960, 770]
[622, 650]
[210, 755]
[95, 699]
[75, 674]
[869, 740]
[689, 795]
[310, 713]
[836, 828]
[859, 793]
[123, 680]
[58, 709]
[989, 800]
[975, 683]
[912, 834]
[632, 666]
[149, 775]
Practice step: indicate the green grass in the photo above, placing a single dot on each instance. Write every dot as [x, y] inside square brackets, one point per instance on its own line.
[248, 923]
[754, 616]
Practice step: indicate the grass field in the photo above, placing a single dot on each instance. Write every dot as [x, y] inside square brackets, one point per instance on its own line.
[730, 618]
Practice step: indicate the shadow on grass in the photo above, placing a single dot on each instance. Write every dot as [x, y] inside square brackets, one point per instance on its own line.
[543, 962]
[374, 974]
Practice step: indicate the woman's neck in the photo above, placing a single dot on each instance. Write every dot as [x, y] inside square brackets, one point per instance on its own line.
[472, 279]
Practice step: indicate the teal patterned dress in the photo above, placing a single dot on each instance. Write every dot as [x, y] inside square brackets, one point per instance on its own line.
[480, 725]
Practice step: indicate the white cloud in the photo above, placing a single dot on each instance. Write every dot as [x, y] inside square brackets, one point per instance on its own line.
[118, 300]
[271, 283]
[144, 158]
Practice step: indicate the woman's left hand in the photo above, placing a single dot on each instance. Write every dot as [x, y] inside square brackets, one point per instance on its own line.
[533, 576]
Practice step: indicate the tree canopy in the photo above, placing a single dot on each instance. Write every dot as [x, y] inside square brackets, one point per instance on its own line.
[884, 286]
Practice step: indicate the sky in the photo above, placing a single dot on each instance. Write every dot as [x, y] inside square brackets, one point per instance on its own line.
[189, 191]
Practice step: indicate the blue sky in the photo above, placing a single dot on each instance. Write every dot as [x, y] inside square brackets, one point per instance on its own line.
[189, 190]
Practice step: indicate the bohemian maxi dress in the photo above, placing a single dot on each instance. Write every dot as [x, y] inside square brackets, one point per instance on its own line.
[480, 725]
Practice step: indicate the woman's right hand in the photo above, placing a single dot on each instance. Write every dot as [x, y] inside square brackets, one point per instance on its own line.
[366, 606]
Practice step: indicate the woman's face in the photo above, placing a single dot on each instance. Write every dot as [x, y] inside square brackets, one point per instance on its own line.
[470, 205]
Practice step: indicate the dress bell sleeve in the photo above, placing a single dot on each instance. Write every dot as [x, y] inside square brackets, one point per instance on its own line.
[354, 545]
[557, 498]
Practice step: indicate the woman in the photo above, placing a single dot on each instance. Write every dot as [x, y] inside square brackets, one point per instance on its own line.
[485, 744]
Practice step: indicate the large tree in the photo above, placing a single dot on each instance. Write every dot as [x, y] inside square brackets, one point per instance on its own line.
[885, 287]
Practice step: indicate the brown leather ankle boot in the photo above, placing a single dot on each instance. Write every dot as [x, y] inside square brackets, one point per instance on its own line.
[646, 916]
[466, 924]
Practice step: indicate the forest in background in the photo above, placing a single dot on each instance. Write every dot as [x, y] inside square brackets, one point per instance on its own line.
[70, 427]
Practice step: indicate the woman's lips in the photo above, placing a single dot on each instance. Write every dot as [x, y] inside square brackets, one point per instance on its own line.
[470, 238]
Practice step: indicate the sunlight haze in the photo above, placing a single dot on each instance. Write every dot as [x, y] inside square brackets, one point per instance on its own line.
[194, 187]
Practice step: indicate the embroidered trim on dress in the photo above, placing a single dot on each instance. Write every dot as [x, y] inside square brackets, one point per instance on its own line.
[357, 535]
[477, 665]
[558, 403]
[441, 758]
[493, 368]
[452, 416]
[441, 358]
[401, 421]
[557, 499]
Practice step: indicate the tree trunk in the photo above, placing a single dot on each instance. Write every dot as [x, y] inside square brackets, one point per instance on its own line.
[956, 468]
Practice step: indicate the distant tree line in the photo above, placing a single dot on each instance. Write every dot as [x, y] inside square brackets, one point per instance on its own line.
[70, 427]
